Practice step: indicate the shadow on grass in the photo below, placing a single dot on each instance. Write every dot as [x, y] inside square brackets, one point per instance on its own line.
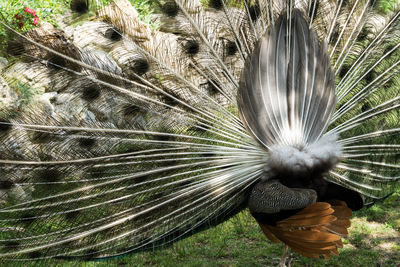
[374, 240]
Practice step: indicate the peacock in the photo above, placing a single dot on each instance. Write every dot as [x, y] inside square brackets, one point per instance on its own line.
[141, 134]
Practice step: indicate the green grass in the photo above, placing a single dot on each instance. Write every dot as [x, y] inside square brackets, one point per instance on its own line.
[25, 93]
[385, 6]
[374, 240]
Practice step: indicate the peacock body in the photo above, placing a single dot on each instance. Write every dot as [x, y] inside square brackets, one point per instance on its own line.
[141, 137]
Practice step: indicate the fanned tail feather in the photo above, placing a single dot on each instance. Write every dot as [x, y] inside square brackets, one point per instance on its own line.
[140, 137]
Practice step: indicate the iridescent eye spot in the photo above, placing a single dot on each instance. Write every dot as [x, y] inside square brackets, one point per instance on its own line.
[90, 93]
[140, 66]
[79, 6]
[113, 34]
[170, 9]
[191, 47]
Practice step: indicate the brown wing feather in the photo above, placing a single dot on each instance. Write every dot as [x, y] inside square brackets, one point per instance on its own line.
[314, 231]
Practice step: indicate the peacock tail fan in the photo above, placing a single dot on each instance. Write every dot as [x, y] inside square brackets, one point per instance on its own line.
[129, 136]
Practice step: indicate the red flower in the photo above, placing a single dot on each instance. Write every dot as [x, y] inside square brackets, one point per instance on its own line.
[33, 13]
[28, 10]
[21, 24]
[35, 21]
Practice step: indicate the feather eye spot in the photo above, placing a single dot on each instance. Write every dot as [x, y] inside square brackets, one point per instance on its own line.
[231, 48]
[164, 135]
[90, 93]
[171, 9]
[210, 155]
[313, 8]
[27, 218]
[217, 4]
[53, 100]
[164, 138]
[140, 179]
[86, 142]
[159, 195]
[191, 47]
[49, 175]
[372, 3]
[388, 49]
[9, 246]
[5, 125]
[387, 85]
[369, 78]
[345, 69]
[212, 88]
[80, 6]
[113, 34]
[34, 255]
[363, 34]
[56, 63]
[72, 215]
[140, 66]
[5, 185]
[365, 107]
[254, 12]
